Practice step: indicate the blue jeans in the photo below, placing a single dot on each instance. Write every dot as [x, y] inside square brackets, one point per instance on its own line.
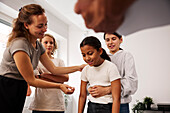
[47, 111]
[124, 108]
[99, 108]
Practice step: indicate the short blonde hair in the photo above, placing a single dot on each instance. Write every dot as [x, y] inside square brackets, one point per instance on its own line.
[55, 43]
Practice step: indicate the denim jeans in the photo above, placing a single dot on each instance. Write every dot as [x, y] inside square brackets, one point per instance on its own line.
[99, 108]
[47, 111]
[124, 108]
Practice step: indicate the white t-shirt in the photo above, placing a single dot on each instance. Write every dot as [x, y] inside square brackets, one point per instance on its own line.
[102, 75]
[48, 99]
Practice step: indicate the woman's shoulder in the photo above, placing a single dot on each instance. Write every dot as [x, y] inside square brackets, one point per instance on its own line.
[20, 41]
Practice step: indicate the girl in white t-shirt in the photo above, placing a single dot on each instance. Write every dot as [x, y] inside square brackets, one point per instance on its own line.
[99, 71]
[49, 100]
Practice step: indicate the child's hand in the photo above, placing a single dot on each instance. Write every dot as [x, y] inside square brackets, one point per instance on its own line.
[67, 89]
[98, 91]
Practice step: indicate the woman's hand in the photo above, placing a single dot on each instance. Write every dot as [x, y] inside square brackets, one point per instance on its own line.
[67, 89]
[82, 66]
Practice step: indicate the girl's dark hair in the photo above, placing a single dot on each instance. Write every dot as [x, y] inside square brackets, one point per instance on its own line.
[94, 42]
[115, 33]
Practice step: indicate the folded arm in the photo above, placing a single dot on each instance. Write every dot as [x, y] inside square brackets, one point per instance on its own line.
[48, 64]
[98, 91]
[26, 70]
[55, 78]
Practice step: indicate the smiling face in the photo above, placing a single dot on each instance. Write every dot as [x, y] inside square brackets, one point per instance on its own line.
[48, 43]
[38, 26]
[113, 42]
[91, 56]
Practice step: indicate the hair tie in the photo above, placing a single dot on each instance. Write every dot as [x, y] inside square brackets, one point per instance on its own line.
[20, 9]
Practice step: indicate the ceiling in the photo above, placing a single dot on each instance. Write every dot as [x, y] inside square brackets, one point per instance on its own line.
[143, 14]
[66, 8]
[62, 9]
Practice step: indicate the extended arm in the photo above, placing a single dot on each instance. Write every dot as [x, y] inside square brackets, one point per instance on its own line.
[48, 64]
[116, 89]
[26, 70]
[82, 97]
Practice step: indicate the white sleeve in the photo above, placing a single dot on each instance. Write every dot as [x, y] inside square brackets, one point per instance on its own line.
[84, 74]
[114, 73]
[61, 63]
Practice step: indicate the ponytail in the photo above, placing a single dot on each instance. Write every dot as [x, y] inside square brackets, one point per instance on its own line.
[105, 56]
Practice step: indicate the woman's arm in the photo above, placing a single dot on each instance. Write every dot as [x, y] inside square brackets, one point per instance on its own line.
[25, 68]
[45, 75]
[55, 78]
[82, 97]
[116, 89]
[48, 64]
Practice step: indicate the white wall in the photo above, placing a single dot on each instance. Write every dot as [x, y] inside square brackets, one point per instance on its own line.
[75, 58]
[151, 50]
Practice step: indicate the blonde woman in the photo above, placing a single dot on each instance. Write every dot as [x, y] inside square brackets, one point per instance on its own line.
[47, 100]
